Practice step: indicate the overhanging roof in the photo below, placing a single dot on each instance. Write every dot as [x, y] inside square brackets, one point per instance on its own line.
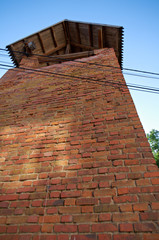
[70, 37]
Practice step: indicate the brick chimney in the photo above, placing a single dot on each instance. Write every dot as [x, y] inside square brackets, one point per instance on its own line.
[75, 162]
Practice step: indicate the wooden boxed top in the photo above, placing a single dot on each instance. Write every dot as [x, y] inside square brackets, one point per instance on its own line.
[68, 38]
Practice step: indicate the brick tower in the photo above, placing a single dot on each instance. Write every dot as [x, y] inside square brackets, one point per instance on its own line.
[75, 163]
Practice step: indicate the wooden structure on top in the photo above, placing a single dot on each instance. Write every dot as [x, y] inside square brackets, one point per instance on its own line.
[68, 40]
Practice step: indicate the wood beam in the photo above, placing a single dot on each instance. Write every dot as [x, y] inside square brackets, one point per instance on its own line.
[78, 35]
[91, 35]
[66, 57]
[82, 46]
[64, 29]
[100, 38]
[55, 49]
[104, 37]
[41, 42]
[53, 36]
[68, 48]
[67, 35]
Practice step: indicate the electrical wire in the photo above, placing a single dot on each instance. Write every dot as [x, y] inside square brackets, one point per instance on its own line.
[130, 86]
[106, 82]
[137, 75]
[79, 77]
[6, 62]
[89, 63]
[4, 55]
[105, 70]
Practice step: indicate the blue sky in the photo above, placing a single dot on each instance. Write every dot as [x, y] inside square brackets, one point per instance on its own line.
[139, 18]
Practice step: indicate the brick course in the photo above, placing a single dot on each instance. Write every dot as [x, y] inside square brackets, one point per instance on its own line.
[75, 163]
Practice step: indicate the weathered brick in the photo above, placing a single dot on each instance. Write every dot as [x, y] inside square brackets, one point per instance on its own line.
[104, 192]
[105, 200]
[12, 229]
[106, 208]
[124, 199]
[104, 227]
[149, 236]
[85, 218]
[65, 228]
[140, 207]
[126, 208]
[4, 204]
[144, 227]
[9, 197]
[127, 237]
[3, 229]
[125, 217]
[66, 218]
[155, 181]
[2, 220]
[70, 209]
[16, 219]
[86, 201]
[126, 227]
[46, 228]
[43, 237]
[52, 210]
[84, 228]
[49, 219]
[87, 209]
[146, 198]
[104, 236]
[84, 237]
[151, 216]
[70, 201]
[155, 205]
[32, 219]
[104, 217]
[63, 237]
[69, 194]
[29, 228]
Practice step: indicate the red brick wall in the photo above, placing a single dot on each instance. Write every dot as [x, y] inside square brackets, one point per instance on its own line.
[75, 163]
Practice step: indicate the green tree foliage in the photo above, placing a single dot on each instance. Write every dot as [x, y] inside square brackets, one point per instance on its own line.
[153, 138]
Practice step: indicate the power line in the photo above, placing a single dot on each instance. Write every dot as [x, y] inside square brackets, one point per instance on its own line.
[141, 71]
[4, 55]
[128, 84]
[89, 63]
[105, 70]
[137, 75]
[107, 82]
[5, 62]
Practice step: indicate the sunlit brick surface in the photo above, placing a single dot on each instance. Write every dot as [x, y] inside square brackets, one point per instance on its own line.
[75, 163]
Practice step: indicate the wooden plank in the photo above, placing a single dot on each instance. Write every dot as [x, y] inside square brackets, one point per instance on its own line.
[41, 42]
[78, 35]
[53, 36]
[91, 35]
[84, 34]
[100, 38]
[67, 36]
[104, 37]
[68, 48]
[55, 49]
[82, 46]
[66, 31]
[66, 57]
